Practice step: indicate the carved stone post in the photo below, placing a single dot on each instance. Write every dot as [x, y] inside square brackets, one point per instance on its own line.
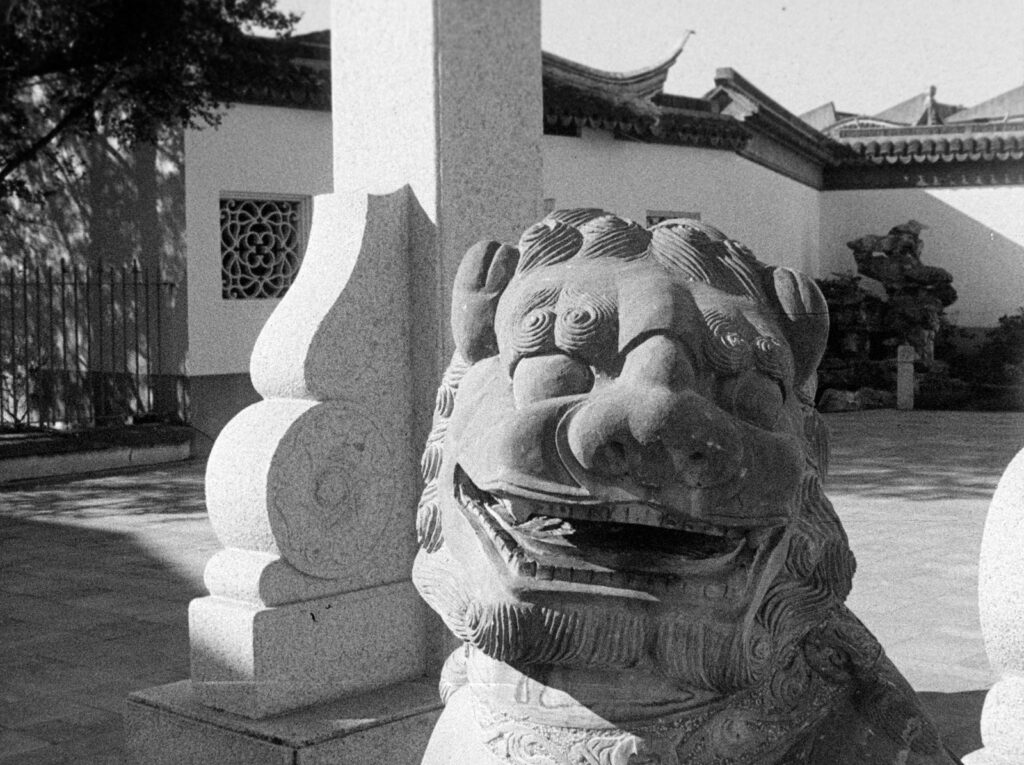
[1001, 600]
[313, 491]
[308, 490]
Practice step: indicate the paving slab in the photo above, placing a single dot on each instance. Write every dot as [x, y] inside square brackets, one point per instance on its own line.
[912, 490]
[96, 574]
[95, 578]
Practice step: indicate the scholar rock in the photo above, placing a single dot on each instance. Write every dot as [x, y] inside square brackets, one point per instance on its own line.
[916, 294]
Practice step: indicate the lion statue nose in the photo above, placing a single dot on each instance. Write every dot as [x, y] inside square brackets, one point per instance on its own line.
[656, 437]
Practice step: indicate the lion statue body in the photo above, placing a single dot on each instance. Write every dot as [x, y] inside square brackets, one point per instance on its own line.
[623, 520]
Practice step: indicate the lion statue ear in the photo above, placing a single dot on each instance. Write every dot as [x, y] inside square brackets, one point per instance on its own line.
[485, 271]
[804, 320]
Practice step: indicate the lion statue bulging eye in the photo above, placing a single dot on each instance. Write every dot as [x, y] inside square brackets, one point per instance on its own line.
[534, 331]
[538, 378]
[532, 334]
[587, 328]
[754, 397]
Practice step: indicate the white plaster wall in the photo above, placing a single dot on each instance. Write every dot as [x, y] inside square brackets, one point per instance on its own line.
[977, 234]
[256, 150]
[776, 217]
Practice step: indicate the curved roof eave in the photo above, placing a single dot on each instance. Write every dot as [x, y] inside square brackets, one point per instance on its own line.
[640, 84]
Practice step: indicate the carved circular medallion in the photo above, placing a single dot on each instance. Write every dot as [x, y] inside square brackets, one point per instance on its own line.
[332, 491]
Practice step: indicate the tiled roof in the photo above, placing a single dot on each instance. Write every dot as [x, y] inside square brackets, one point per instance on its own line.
[738, 98]
[961, 143]
[849, 121]
[822, 117]
[1005, 106]
[633, 105]
[630, 104]
[953, 145]
[637, 86]
[737, 116]
[922, 109]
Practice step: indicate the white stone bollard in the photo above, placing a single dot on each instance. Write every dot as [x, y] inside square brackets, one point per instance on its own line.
[1001, 601]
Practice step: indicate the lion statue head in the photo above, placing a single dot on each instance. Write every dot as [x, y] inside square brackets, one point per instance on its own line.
[623, 518]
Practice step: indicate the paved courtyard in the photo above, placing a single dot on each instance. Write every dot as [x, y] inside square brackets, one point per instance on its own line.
[96, 575]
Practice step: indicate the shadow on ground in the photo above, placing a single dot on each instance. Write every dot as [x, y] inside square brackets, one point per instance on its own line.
[958, 717]
[95, 580]
[96, 576]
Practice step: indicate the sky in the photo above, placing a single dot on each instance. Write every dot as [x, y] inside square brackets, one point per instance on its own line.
[863, 55]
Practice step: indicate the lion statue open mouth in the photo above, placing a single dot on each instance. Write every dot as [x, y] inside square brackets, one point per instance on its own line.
[623, 519]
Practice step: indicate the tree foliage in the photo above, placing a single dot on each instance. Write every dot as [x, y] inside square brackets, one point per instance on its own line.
[126, 70]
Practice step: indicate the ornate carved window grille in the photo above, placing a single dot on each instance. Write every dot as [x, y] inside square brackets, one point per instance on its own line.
[657, 216]
[261, 244]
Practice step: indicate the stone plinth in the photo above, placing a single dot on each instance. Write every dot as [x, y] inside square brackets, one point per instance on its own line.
[165, 726]
[1001, 602]
[304, 652]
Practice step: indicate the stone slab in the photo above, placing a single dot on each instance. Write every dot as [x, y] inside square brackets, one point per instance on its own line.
[258, 661]
[164, 725]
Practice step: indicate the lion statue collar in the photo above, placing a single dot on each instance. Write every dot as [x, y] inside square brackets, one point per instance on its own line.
[623, 519]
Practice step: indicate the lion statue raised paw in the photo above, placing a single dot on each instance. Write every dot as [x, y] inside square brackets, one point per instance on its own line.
[623, 519]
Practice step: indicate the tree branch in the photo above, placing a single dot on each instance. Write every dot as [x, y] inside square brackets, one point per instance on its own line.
[72, 114]
[59, 64]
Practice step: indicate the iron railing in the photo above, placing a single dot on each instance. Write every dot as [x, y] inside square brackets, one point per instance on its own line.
[81, 346]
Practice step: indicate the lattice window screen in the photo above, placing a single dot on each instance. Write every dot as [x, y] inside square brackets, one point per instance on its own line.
[261, 242]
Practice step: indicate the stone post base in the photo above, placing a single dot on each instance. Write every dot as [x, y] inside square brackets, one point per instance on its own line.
[261, 661]
[165, 726]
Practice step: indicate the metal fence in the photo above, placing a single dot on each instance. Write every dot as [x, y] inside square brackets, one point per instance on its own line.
[80, 346]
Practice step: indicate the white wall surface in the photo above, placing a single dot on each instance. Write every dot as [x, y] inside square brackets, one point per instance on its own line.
[256, 150]
[977, 234]
[776, 217]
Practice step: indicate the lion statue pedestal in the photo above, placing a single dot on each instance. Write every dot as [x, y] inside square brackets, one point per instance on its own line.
[623, 519]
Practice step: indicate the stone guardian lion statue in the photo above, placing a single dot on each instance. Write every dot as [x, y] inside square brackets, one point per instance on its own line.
[623, 520]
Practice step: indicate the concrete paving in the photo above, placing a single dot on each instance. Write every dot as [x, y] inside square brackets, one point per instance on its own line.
[96, 574]
[95, 579]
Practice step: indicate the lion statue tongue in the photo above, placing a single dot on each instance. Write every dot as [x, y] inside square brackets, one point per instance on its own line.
[623, 519]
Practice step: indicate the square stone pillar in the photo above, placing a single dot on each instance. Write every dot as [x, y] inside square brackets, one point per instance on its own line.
[437, 121]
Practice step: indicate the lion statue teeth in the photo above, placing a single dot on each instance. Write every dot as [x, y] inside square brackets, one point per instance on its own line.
[623, 519]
